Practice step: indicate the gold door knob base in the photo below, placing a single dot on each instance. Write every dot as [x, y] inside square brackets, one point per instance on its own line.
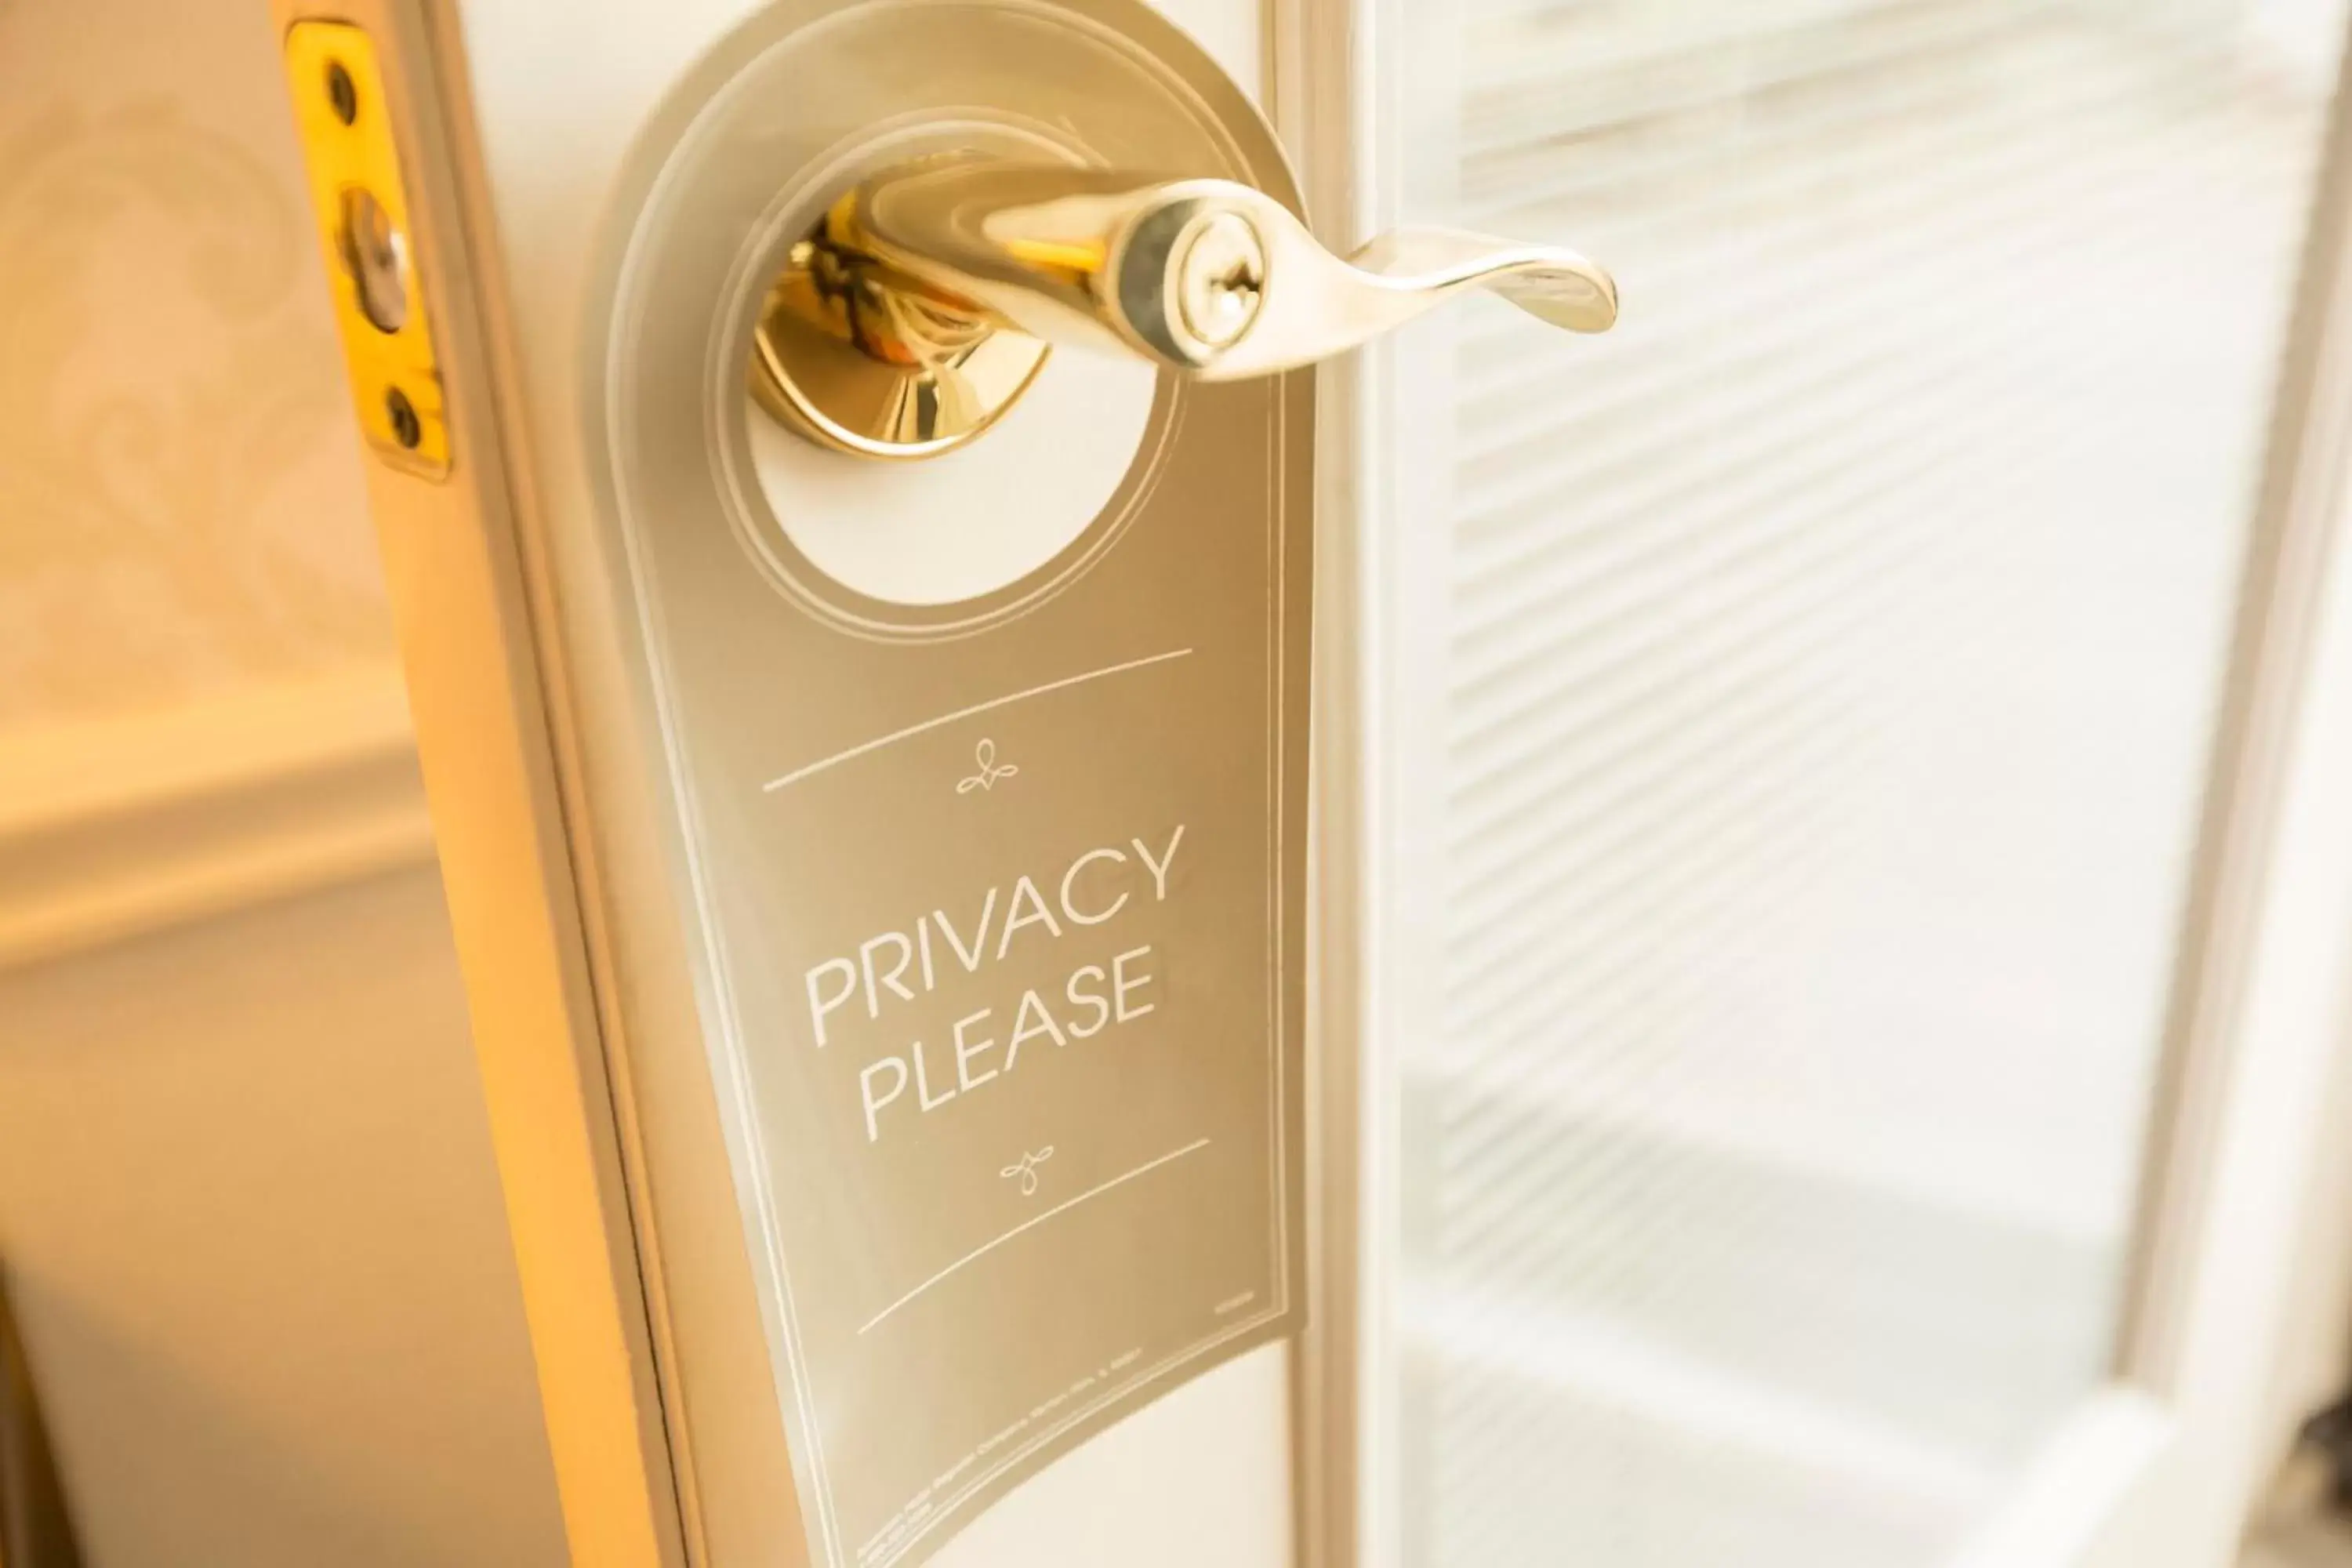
[860, 357]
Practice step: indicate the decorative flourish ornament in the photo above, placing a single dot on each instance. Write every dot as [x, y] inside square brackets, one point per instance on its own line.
[990, 770]
[1024, 1170]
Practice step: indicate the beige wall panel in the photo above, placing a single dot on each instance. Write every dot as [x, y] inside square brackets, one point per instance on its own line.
[181, 509]
[252, 1225]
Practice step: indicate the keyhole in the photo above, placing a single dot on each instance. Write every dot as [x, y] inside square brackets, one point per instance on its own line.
[1232, 294]
[1222, 279]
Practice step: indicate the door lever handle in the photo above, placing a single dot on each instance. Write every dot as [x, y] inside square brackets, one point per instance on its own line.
[921, 305]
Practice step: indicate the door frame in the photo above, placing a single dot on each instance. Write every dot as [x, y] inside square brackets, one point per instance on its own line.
[2159, 1467]
[2262, 1007]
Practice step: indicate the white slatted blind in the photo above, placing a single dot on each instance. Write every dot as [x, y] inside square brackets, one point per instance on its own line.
[1831, 664]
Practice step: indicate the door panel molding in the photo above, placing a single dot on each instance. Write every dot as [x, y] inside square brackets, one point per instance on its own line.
[1340, 105]
[2271, 671]
[2265, 1006]
[1312, 50]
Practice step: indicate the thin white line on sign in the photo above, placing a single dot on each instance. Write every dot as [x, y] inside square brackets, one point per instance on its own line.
[896, 735]
[977, 1253]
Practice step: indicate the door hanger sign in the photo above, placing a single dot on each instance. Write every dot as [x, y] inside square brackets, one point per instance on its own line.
[998, 897]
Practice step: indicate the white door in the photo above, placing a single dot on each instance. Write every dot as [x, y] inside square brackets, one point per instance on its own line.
[1832, 840]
